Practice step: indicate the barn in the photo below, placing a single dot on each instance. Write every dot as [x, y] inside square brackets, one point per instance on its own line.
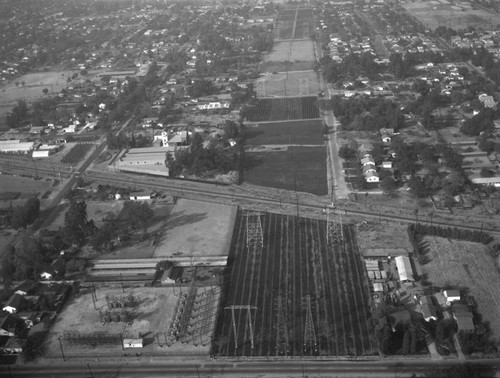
[405, 270]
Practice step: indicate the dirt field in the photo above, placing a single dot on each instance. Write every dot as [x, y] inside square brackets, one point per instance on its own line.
[152, 312]
[466, 265]
[294, 55]
[197, 229]
[437, 13]
[10, 183]
[375, 234]
[305, 132]
[303, 83]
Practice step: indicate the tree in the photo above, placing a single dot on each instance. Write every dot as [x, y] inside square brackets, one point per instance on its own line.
[34, 346]
[138, 214]
[28, 258]
[76, 225]
[388, 185]
[24, 215]
[45, 91]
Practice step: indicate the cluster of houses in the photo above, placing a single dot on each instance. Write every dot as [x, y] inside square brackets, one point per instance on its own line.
[30, 309]
[477, 39]
[368, 165]
[393, 276]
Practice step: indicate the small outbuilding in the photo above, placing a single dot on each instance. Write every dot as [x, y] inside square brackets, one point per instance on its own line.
[452, 295]
[133, 343]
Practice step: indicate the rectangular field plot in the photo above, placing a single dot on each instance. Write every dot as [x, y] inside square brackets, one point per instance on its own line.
[294, 23]
[277, 169]
[306, 297]
[280, 84]
[292, 132]
[280, 109]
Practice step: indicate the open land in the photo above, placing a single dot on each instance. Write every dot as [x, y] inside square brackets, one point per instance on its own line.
[300, 168]
[434, 14]
[375, 234]
[292, 83]
[466, 265]
[84, 331]
[295, 262]
[197, 229]
[290, 132]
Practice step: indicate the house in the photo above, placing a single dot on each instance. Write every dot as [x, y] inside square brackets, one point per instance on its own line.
[369, 168]
[404, 268]
[463, 316]
[132, 343]
[452, 295]
[386, 135]
[30, 318]
[387, 164]
[371, 176]
[8, 325]
[69, 129]
[426, 308]
[46, 275]
[12, 346]
[139, 196]
[25, 287]
[14, 304]
[367, 160]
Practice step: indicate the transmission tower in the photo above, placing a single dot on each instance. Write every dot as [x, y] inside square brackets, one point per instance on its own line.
[281, 326]
[248, 320]
[304, 87]
[255, 238]
[310, 342]
[334, 230]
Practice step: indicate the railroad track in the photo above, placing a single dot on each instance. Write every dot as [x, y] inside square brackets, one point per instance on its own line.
[234, 195]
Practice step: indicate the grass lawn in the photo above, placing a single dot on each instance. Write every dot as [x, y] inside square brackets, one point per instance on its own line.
[291, 132]
[275, 169]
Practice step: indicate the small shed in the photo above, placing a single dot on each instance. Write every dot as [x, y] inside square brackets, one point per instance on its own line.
[133, 343]
[452, 295]
[405, 271]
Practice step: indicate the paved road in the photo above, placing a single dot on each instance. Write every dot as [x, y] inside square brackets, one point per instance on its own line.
[383, 369]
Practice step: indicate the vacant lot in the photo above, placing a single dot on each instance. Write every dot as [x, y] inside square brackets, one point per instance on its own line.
[466, 265]
[291, 132]
[292, 55]
[434, 14]
[293, 263]
[300, 168]
[150, 312]
[197, 228]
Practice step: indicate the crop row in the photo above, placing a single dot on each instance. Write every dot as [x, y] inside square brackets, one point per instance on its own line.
[295, 263]
[278, 109]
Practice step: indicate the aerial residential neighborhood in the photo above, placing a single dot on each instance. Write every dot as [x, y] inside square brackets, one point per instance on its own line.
[250, 188]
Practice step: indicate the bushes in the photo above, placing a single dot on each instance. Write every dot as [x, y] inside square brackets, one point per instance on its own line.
[415, 229]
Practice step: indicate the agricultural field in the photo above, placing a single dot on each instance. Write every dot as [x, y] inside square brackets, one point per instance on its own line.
[294, 279]
[96, 330]
[300, 168]
[304, 132]
[278, 109]
[466, 265]
[282, 84]
[289, 56]
[435, 13]
[294, 23]
[77, 153]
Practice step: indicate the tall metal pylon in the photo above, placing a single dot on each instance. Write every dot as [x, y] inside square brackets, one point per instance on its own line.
[282, 347]
[248, 320]
[334, 230]
[310, 341]
[255, 238]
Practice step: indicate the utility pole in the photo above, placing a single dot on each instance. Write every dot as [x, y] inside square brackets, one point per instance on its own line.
[62, 351]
